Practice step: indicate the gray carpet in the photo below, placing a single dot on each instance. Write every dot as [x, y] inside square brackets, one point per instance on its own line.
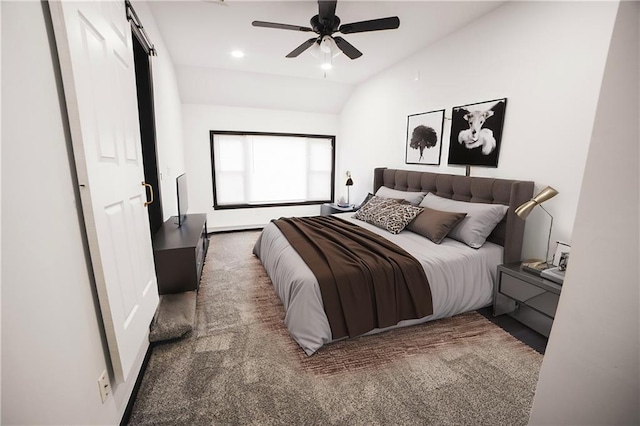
[239, 365]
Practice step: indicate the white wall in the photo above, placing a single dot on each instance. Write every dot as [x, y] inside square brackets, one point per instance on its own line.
[199, 120]
[53, 349]
[53, 344]
[590, 373]
[242, 89]
[547, 58]
[168, 113]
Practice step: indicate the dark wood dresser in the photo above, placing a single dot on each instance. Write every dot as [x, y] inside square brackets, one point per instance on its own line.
[179, 253]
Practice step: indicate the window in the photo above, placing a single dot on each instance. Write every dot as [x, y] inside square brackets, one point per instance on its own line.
[253, 169]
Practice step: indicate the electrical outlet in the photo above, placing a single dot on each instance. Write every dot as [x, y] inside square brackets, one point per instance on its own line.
[103, 384]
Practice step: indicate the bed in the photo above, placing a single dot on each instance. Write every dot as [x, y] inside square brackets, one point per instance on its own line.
[461, 278]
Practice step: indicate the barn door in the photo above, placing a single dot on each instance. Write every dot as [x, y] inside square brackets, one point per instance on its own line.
[96, 59]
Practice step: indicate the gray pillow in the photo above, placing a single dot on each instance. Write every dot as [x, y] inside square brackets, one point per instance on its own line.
[410, 196]
[435, 224]
[389, 214]
[474, 229]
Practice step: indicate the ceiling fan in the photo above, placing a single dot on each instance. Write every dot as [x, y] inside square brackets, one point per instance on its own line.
[325, 23]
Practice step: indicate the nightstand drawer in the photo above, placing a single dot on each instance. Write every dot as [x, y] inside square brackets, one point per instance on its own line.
[518, 289]
[547, 303]
[531, 295]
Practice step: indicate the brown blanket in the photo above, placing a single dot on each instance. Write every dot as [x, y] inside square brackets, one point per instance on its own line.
[366, 281]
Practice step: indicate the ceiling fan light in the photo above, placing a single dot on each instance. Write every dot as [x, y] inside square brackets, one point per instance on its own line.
[326, 45]
[237, 54]
[326, 66]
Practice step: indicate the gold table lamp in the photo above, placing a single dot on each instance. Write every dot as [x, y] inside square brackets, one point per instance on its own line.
[523, 211]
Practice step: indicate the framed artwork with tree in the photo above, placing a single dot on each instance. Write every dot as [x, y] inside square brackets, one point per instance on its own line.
[424, 137]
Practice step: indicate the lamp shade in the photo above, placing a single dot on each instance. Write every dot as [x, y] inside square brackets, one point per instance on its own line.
[545, 195]
[523, 210]
[349, 182]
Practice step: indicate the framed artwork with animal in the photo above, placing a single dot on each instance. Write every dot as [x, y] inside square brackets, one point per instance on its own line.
[476, 133]
[424, 137]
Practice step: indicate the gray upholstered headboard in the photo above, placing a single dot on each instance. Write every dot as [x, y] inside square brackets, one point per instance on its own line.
[508, 233]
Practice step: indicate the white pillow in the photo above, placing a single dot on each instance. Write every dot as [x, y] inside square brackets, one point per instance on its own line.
[474, 229]
[410, 196]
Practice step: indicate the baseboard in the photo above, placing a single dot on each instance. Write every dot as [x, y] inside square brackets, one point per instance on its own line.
[134, 394]
[221, 229]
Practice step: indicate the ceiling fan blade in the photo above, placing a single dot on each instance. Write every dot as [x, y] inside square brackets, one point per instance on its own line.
[347, 48]
[280, 26]
[304, 46]
[390, 23]
[326, 10]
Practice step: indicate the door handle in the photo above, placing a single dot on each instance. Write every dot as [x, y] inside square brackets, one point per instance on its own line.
[146, 203]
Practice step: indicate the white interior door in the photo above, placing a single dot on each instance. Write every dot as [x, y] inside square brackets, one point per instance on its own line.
[96, 59]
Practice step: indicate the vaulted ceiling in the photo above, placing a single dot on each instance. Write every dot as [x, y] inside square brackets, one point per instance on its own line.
[200, 36]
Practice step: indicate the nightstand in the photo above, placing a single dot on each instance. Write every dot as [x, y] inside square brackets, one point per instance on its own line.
[331, 208]
[528, 298]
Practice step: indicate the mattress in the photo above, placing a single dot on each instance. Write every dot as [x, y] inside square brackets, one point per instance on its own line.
[461, 279]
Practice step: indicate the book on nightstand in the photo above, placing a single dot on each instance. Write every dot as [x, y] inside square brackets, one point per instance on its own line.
[534, 266]
[553, 274]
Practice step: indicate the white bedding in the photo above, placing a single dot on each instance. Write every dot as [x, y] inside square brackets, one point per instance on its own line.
[461, 279]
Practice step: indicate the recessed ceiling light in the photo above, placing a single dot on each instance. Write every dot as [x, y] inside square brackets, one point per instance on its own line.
[237, 54]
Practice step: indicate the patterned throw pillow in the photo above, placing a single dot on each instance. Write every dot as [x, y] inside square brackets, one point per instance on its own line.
[389, 214]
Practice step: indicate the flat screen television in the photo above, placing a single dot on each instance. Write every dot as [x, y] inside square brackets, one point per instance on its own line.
[183, 199]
